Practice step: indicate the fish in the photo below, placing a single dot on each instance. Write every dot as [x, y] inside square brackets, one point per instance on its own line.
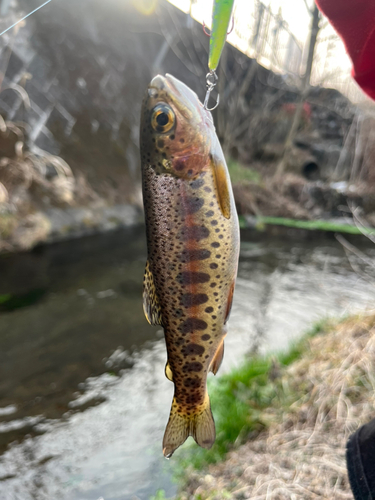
[193, 246]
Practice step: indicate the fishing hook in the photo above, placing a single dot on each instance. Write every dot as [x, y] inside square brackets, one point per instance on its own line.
[209, 34]
[211, 81]
[204, 29]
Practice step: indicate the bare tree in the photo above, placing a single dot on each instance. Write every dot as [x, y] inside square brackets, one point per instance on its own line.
[305, 88]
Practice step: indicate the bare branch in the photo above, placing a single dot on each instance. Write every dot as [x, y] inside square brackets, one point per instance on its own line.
[314, 30]
[310, 11]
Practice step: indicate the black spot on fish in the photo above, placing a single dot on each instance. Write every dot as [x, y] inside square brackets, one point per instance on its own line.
[192, 367]
[215, 244]
[192, 205]
[214, 266]
[193, 399]
[192, 383]
[179, 165]
[197, 183]
[206, 336]
[192, 255]
[210, 213]
[197, 233]
[209, 309]
[192, 278]
[194, 299]
[192, 324]
[192, 349]
[179, 341]
[214, 223]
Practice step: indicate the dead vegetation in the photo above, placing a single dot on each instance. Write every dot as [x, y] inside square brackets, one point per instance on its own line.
[28, 182]
[302, 455]
[298, 198]
[33, 175]
[267, 198]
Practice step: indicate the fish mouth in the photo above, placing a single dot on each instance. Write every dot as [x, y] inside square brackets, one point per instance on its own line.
[178, 92]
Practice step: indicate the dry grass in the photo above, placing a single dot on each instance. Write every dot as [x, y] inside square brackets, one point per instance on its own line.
[302, 455]
[272, 199]
[31, 174]
[29, 182]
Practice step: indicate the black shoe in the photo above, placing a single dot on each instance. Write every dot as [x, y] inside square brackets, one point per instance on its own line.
[360, 459]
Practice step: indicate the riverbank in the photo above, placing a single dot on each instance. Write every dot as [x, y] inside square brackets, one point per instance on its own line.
[261, 223]
[294, 197]
[43, 201]
[62, 224]
[58, 224]
[108, 392]
[305, 411]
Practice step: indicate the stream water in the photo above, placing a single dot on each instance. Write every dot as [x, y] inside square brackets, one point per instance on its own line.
[83, 396]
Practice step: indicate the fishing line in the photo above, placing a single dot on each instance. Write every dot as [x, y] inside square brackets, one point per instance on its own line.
[13, 25]
[221, 15]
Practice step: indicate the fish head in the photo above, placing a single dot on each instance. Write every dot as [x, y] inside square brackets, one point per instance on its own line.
[176, 130]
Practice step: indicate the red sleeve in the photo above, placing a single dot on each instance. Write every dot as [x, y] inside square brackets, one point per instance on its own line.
[354, 20]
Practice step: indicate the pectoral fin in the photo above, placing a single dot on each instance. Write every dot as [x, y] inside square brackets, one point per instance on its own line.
[217, 359]
[151, 306]
[222, 185]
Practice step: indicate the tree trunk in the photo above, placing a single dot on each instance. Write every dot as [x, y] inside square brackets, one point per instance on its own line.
[304, 93]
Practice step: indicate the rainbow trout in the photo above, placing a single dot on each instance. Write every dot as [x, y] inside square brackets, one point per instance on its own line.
[193, 243]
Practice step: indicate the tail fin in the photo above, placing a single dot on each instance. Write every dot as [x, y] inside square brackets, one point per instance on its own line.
[180, 426]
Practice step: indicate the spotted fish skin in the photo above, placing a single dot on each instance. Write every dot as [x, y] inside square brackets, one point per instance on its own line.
[193, 244]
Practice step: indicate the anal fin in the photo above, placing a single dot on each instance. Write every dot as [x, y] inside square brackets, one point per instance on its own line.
[229, 302]
[217, 359]
[168, 372]
[151, 306]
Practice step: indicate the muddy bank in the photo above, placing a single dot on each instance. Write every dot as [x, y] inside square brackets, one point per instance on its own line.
[298, 198]
[57, 224]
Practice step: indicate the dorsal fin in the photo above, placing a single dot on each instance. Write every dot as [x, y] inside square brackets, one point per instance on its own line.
[222, 185]
[151, 306]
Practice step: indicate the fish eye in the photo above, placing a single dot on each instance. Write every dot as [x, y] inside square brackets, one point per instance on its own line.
[162, 118]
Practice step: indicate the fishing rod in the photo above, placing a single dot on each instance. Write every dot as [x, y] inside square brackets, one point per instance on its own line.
[25, 17]
[221, 15]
